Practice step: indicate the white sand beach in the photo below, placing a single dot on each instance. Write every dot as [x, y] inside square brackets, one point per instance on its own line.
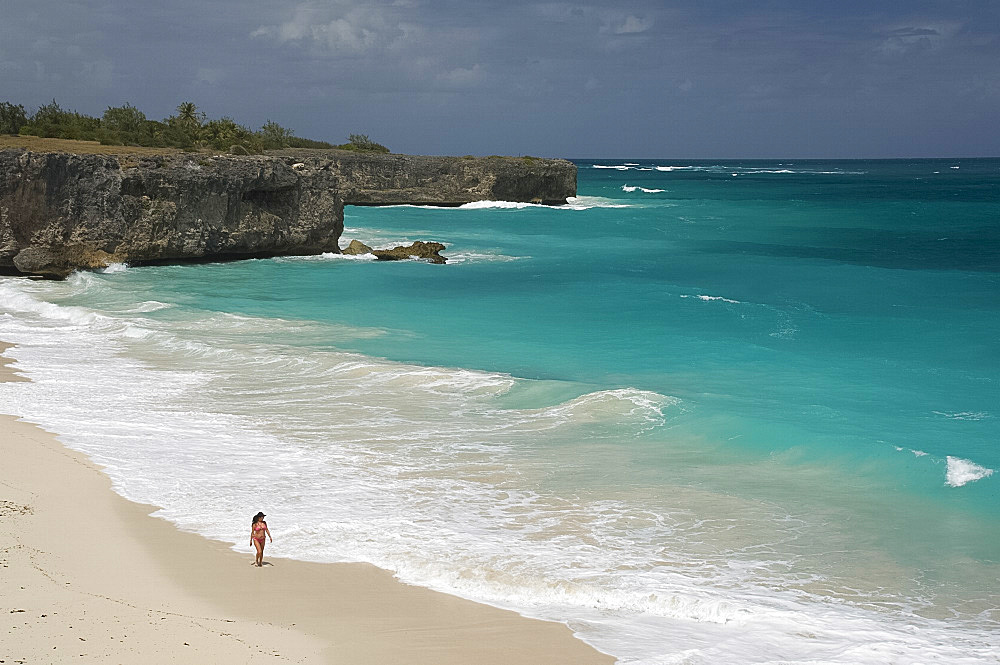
[89, 577]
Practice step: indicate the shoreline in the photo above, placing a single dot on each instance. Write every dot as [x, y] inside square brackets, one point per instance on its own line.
[90, 577]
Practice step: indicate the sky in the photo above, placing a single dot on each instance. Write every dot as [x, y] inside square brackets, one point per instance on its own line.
[636, 78]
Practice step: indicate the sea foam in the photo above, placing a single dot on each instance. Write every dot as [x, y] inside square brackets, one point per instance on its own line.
[962, 471]
[633, 188]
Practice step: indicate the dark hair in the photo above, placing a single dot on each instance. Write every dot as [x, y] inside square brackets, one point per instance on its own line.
[257, 517]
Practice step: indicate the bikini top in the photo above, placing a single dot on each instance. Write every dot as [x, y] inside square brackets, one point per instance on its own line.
[259, 526]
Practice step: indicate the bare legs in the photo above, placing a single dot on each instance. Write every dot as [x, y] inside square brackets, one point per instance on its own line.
[259, 544]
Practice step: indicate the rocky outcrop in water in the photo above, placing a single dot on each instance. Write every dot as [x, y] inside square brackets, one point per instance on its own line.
[419, 250]
[60, 212]
[356, 248]
[427, 251]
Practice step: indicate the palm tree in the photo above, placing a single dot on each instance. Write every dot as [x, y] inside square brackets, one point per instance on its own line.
[188, 114]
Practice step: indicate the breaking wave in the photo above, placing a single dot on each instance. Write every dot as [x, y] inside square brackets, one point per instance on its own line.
[962, 471]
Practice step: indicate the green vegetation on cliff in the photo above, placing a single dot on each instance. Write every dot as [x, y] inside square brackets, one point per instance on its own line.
[188, 129]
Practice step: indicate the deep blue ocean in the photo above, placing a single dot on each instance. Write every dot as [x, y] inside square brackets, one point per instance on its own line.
[708, 412]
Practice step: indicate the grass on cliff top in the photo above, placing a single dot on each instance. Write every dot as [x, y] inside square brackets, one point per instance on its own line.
[38, 144]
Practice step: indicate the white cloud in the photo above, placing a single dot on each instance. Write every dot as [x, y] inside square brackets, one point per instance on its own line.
[339, 27]
[908, 39]
[634, 25]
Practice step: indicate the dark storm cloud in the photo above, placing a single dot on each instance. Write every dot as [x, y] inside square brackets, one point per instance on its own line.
[569, 78]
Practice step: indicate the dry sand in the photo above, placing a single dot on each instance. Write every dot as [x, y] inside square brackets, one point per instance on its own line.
[89, 577]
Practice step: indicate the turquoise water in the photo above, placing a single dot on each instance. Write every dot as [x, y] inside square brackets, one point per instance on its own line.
[708, 412]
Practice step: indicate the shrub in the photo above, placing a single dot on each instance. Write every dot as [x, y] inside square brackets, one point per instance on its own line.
[187, 129]
[52, 121]
[273, 136]
[296, 142]
[361, 143]
[12, 118]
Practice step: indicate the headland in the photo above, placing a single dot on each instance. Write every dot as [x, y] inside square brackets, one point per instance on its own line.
[67, 205]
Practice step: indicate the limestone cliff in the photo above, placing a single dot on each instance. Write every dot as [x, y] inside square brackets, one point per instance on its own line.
[59, 211]
[374, 179]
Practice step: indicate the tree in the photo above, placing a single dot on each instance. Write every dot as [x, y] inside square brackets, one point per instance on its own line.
[189, 115]
[225, 133]
[12, 118]
[127, 121]
[49, 114]
[273, 136]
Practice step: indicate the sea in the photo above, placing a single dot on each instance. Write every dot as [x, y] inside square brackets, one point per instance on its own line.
[707, 412]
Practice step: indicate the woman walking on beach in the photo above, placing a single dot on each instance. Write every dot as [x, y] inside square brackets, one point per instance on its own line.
[258, 529]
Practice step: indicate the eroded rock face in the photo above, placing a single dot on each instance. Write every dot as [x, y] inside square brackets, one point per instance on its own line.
[60, 212]
[381, 179]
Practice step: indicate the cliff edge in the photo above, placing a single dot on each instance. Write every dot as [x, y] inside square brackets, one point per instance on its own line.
[63, 211]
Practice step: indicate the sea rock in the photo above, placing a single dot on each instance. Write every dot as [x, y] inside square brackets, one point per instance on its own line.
[357, 247]
[428, 251]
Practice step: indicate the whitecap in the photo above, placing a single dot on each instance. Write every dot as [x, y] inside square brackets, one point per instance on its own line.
[481, 257]
[965, 415]
[711, 298]
[587, 202]
[634, 188]
[963, 471]
[113, 268]
[327, 256]
[149, 306]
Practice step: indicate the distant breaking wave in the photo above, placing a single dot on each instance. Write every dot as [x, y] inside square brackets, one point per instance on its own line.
[722, 169]
[631, 188]
[572, 203]
[710, 298]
